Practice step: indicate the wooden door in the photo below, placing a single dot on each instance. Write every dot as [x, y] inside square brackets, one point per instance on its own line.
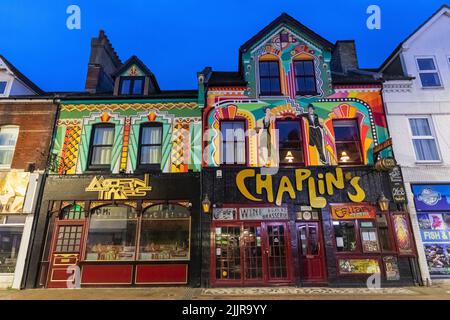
[66, 251]
[311, 252]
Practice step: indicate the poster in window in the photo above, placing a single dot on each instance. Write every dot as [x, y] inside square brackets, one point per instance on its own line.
[13, 187]
[359, 266]
[402, 234]
[438, 258]
[391, 268]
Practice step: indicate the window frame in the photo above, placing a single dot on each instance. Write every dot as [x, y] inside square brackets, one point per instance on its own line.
[361, 156]
[9, 148]
[269, 94]
[223, 164]
[314, 76]
[132, 81]
[149, 166]
[433, 137]
[100, 167]
[436, 70]
[301, 146]
[4, 93]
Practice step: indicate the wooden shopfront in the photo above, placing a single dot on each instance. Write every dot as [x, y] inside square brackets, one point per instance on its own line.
[291, 228]
[149, 238]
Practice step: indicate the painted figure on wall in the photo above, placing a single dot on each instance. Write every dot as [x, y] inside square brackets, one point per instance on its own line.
[315, 131]
[267, 135]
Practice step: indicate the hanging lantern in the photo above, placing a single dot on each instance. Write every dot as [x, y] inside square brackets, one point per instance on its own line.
[383, 203]
[206, 204]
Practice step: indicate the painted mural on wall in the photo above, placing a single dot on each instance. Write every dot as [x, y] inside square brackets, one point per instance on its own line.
[180, 143]
[363, 104]
[13, 188]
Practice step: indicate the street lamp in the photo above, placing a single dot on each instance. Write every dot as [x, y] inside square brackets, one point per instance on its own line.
[206, 204]
[383, 202]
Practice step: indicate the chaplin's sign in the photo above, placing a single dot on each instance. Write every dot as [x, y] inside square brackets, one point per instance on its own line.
[120, 188]
[316, 186]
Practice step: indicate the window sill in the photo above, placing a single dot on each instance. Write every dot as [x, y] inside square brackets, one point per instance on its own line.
[433, 88]
[427, 162]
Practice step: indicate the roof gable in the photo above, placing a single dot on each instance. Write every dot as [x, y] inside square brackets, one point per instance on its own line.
[133, 67]
[287, 21]
[21, 77]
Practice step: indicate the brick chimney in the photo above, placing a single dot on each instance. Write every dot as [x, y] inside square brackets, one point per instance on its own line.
[103, 61]
[344, 56]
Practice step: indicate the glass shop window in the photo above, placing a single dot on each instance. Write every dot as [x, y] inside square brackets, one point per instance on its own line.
[348, 143]
[290, 142]
[11, 229]
[74, 212]
[102, 144]
[369, 237]
[112, 234]
[305, 77]
[131, 85]
[269, 74]
[150, 144]
[8, 140]
[233, 142]
[383, 233]
[345, 235]
[165, 233]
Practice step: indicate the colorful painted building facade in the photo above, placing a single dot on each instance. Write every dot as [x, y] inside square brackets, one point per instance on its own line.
[291, 144]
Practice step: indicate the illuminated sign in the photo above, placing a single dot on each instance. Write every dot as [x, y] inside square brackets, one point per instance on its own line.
[322, 184]
[120, 188]
[353, 212]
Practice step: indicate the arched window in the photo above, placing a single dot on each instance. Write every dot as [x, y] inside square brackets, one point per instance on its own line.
[165, 233]
[305, 75]
[8, 140]
[150, 144]
[269, 75]
[112, 234]
[102, 139]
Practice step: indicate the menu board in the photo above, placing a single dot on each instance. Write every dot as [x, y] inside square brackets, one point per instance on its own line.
[391, 267]
[264, 213]
[358, 266]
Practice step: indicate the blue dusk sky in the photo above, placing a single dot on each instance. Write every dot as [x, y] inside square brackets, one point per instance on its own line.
[175, 39]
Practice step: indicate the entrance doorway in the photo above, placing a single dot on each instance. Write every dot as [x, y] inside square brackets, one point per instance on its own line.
[66, 246]
[246, 253]
[311, 252]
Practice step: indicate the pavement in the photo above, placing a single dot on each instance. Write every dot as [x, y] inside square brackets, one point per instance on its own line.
[435, 292]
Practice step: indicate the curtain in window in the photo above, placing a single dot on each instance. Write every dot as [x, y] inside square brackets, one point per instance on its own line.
[423, 140]
[8, 139]
[151, 140]
[233, 149]
[102, 145]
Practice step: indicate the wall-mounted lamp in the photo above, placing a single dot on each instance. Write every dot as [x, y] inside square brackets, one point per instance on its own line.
[206, 204]
[383, 203]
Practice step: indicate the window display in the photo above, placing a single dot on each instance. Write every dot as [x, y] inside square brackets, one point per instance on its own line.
[345, 233]
[359, 266]
[9, 248]
[165, 233]
[112, 234]
[369, 237]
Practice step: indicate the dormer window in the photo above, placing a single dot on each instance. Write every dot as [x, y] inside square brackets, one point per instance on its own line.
[131, 85]
[269, 76]
[3, 87]
[305, 77]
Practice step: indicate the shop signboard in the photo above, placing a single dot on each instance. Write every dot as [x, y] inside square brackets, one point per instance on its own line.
[224, 213]
[351, 211]
[431, 197]
[119, 188]
[264, 213]
[13, 188]
[397, 185]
